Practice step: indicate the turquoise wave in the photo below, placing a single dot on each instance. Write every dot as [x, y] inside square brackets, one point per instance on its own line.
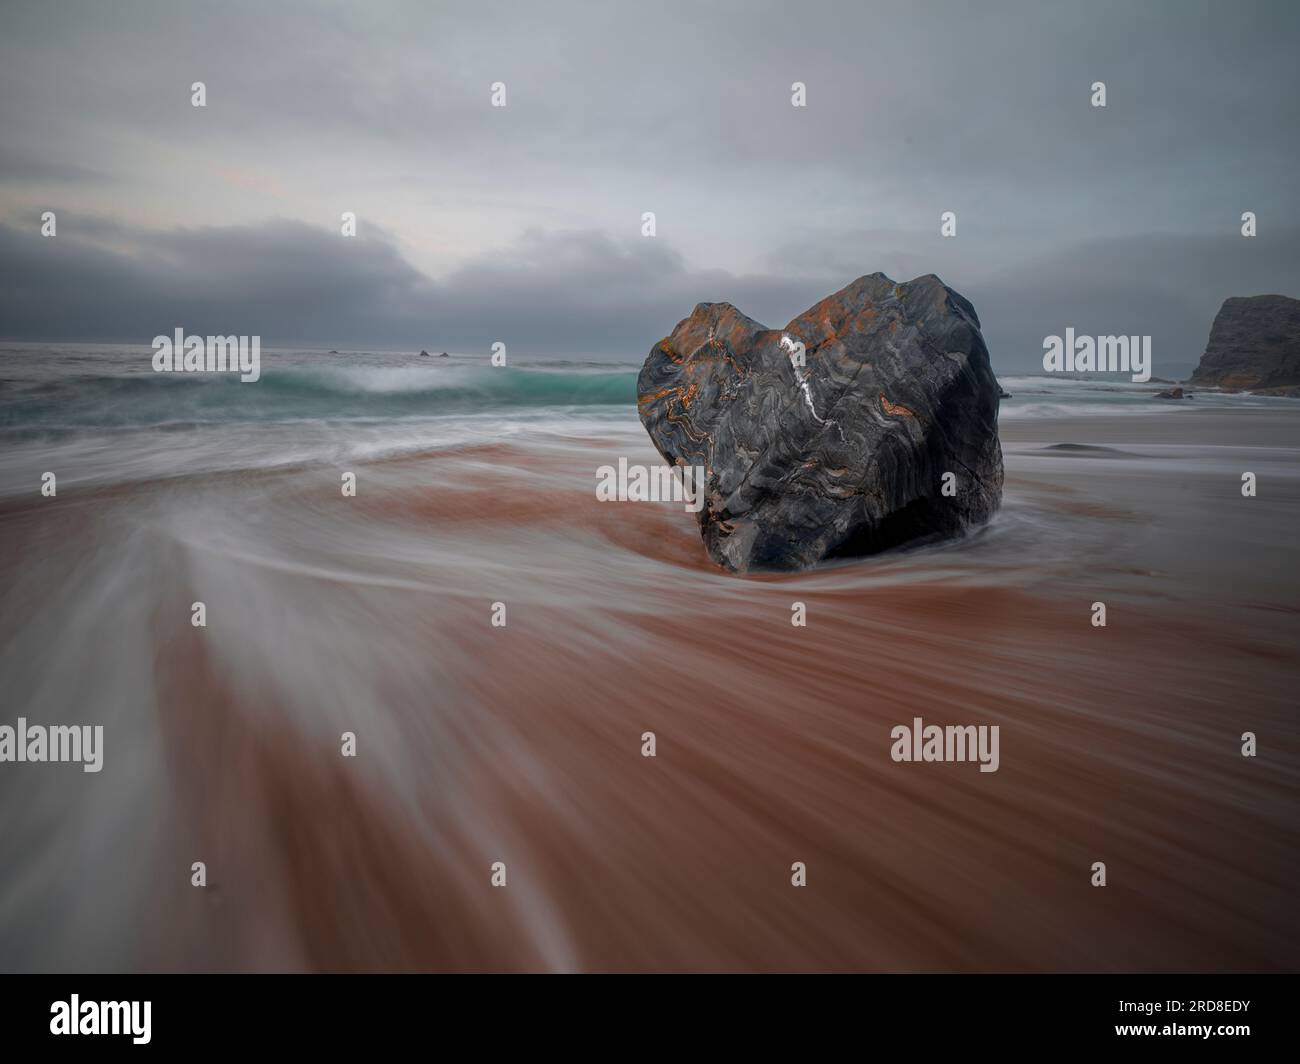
[287, 394]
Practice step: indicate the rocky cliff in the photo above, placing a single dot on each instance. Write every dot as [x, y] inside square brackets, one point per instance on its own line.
[1254, 346]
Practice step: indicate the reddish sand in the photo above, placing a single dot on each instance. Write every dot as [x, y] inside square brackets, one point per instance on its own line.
[523, 744]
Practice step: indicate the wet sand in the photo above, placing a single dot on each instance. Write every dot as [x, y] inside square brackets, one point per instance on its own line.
[523, 744]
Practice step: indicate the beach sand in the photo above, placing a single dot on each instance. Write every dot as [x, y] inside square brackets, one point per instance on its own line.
[523, 744]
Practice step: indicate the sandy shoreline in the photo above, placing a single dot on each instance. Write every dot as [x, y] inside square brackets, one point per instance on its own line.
[522, 744]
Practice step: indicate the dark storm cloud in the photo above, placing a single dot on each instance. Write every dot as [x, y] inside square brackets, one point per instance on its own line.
[1165, 286]
[1168, 286]
[547, 294]
[521, 224]
[235, 280]
[585, 294]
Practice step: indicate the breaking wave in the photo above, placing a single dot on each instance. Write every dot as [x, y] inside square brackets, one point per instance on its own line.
[147, 399]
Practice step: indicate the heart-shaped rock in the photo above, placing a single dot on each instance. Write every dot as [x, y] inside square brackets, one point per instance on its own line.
[869, 422]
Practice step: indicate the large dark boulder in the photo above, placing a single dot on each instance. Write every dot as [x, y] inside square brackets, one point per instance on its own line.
[845, 456]
[1254, 345]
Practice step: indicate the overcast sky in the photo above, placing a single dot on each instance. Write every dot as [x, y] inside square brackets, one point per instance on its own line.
[523, 223]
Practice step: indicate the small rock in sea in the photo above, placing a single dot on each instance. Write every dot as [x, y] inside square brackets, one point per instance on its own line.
[425, 354]
[869, 422]
[444, 355]
[1003, 393]
[1171, 393]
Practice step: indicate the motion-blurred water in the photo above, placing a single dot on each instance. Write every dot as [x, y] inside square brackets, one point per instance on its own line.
[102, 414]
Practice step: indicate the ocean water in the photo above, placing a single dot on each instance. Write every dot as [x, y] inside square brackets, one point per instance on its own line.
[102, 415]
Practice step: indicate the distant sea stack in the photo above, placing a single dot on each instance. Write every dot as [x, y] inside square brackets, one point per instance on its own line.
[1254, 346]
[886, 435]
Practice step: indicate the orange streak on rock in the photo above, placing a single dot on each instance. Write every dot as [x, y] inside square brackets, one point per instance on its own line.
[894, 409]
